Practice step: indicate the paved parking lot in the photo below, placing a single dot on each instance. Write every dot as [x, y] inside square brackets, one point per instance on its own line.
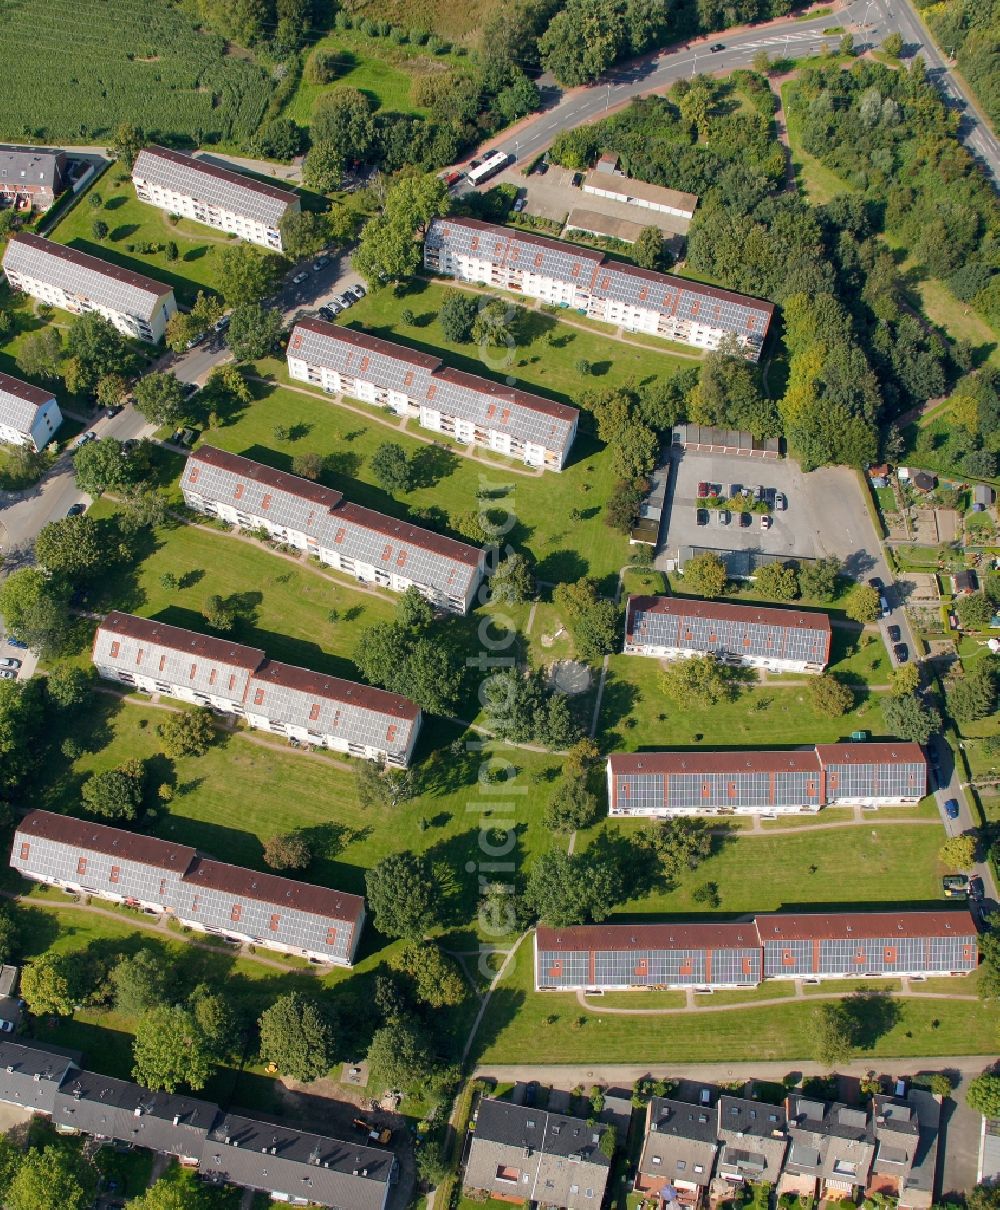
[27, 659]
[795, 531]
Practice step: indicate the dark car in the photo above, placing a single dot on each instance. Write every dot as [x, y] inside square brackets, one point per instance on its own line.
[328, 314]
[11, 642]
[702, 516]
[901, 652]
[717, 47]
[745, 521]
[531, 1093]
[975, 887]
[875, 583]
[114, 410]
[76, 509]
[895, 634]
[951, 808]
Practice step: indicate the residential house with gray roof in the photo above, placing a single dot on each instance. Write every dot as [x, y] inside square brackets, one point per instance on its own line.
[754, 1138]
[472, 410]
[30, 1075]
[679, 1151]
[211, 194]
[77, 282]
[830, 1144]
[566, 275]
[296, 1167]
[906, 1141]
[373, 548]
[309, 707]
[528, 1156]
[174, 880]
[31, 178]
[29, 415]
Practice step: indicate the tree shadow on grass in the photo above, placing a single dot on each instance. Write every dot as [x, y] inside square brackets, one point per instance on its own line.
[872, 1015]
[123, 232]
[456, 862]
[562, 566]
[115, 203]
[619, 700]
[506, 1004]
[432, 463]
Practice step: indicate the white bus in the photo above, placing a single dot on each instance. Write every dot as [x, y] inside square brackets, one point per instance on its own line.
[493, 163]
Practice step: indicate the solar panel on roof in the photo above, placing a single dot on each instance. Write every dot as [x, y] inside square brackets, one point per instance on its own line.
[187, 176]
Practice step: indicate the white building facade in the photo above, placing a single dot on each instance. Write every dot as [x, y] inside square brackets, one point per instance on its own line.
[218, 197]
[472, 410]
[76, 282]
[566, 275]
[359, 542]
[28, 415]
[315, 709]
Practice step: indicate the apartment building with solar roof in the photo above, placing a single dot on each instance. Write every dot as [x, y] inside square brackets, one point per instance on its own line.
[472, 410]
[715, 956]
[29, 415]
[218, 197]
[290, 1166]
[175, 880]
[755, 636]
[566, 275]
[373, 548]
[311, 707]
[765, 782]
[76, 282]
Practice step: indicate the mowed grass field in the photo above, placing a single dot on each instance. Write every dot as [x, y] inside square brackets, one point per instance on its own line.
[564, 547]
[131, 222]
[553, 1028]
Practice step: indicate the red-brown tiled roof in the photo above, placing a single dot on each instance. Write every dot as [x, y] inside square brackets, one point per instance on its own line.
[485, 386]
[664, 936]
[696, 760]
[94, 263]
[223, 651]
[723, 611]
[374, 344]
[130, 846]
[271, 888]
[282, 481]
[24, 390]
[221, 174]
[332, 688]
[945, 922]
[403, 531]
[896, 753]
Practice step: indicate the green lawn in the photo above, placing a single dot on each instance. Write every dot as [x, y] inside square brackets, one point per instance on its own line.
[518, 1023]
[132, 224]
[564, 547]
[537, 362]
[818, 183]
[637, 714]
[958, 319]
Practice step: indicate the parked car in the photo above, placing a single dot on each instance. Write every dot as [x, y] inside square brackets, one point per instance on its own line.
[358, 291]
[744, 520]
[320, 263]
[191, 389]
[6, 1026]
[195, 340]
[901, 652]
[702, 490]
[975, 887]
[951, 808]
[724, 516]
[758, 491]
[876, 583]
[7, 675]
[329, 313]
[765, 521]
[222, 323]
[115, 410]
[299, 278]
[76, 509]
[702, 516]
[520, 204]
[894, 633]
[8, 662]
[734, 490]
[345, 300]
[780, 501]
[883, 604]
[12, 642]
[84, 438]
[717, 47]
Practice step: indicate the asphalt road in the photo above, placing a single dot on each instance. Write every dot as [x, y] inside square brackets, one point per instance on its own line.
[869, 20]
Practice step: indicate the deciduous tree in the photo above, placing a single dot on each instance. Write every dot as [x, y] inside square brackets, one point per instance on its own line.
[139, 982]
[159, 397]
[983, 1094]
[253, 331]
[53, 1178]
[437, 980]
[187, 732]
[834, 1033]
[777, 582]
[682, 844]
[115, 793]
[41, 353]
[457, 315]
[863, 604]
[513, 581]
[391, 467]
[34, 609]
[909, 718]
[591, 619]
[401, 895]
[100, 466]
[171, 1050]
[290, 851]
[383, 785]
[705, 575]
[959, 852]
[50, 985]
[75, 547]
[700, 678]
[303, 233]
[297, 1036]
[245, 274]
[818, 577]
[829, 696]
[571, 807]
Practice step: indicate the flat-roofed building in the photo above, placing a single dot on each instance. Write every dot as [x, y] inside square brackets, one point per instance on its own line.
[765, 782]
[708, 439]
[593, 222]
[171, 879]
[210, 194]
[657, 198]
[76, 282]
[754, 1139]
[473, 410]
[29, 415]
[619, 957]
[679, 1151]
[846, 945]
[31, 178]
[316, 709]
[757, 636]
[531, 1157]
[565, 275]
[373, 548]
[295, 1167]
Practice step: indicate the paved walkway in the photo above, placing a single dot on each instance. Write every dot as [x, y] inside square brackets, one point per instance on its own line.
[693, 1005]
